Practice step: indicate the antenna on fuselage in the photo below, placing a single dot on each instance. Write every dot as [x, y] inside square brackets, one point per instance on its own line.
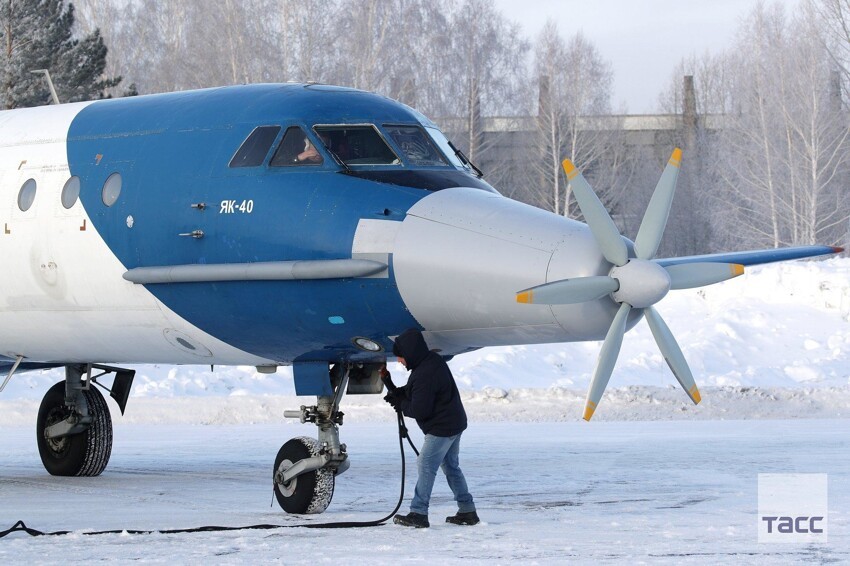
[46, 74]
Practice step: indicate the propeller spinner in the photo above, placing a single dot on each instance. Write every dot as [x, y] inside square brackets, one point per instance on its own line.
[634, 283]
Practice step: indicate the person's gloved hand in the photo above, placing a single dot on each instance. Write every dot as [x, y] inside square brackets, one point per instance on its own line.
[387, 379]
[394, 398]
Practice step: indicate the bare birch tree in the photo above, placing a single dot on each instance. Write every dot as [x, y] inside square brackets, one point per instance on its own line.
[786, 151]
[712, 75]
[369, 35]
[305, 45]
[484, 69]
[234, 39]
[572, 121]
[833, 19]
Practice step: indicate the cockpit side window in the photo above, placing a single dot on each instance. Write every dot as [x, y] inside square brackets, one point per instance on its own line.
[295, 149]
[357, 144]
[256, 146]
[446, 147]
[416, 146]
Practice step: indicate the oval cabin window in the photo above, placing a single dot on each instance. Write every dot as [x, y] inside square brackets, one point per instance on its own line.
[111, 189]
[71, 192]
[27, 195]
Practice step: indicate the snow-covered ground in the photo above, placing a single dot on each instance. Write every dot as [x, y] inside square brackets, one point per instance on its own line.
[630, 493]
[195, 447]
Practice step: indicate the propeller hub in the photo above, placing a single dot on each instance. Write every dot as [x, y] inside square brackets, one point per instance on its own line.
[642, 283]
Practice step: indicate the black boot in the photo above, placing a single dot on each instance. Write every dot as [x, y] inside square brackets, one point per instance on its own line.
[412, 520]
[470, 518]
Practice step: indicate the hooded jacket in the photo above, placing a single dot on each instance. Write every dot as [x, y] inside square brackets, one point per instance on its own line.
[431, 394]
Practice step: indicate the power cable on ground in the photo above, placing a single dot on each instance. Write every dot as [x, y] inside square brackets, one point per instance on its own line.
[20, 526]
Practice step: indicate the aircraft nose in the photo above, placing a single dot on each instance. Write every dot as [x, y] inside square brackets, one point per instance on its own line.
[461, 255]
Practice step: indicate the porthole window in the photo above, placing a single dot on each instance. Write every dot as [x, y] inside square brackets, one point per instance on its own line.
[71, 192]
[27, 195]
[111, 189]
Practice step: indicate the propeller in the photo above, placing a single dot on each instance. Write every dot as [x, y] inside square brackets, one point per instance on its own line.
[634, 283]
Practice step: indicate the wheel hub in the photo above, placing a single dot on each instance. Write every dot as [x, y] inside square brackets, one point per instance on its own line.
[57, 445]
[286, 489]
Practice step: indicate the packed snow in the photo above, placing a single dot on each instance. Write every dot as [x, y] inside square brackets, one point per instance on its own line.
[550, 493]
[651, 478]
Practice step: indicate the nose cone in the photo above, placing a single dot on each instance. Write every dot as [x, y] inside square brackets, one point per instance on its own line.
[461, 255]
[642, 283]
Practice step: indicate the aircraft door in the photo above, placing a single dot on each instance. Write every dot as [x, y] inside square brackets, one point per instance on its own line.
[30, 234]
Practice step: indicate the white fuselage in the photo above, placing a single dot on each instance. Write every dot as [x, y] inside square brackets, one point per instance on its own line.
[62, 296]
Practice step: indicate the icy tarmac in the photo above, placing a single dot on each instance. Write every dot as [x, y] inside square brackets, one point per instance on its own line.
[612, 492]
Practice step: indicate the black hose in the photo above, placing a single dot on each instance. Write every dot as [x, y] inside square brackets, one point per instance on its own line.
[402, 434]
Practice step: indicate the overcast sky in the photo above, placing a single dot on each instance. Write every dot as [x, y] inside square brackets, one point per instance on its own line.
[642, 39]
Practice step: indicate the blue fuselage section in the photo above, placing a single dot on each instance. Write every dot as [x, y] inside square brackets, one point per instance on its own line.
[173, 151]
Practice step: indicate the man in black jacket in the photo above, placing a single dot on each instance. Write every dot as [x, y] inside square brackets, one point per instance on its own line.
[431, 397]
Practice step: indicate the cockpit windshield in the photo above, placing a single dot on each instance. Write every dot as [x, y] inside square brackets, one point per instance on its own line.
[357, 144]
[417, 148]
[407, 155]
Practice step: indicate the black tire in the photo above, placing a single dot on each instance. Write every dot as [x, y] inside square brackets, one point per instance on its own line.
[308, 493]
[83, 454]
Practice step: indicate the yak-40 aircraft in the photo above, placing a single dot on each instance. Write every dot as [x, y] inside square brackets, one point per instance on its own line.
[298, 224]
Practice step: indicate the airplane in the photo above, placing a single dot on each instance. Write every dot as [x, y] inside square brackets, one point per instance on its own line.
[295, 224]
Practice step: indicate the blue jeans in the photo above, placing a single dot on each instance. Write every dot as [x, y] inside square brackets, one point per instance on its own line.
[440, 452]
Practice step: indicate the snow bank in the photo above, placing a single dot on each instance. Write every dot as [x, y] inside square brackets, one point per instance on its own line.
[556, 404]
[774, 343]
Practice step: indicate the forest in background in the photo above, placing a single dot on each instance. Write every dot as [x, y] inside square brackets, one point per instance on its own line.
[775, 174]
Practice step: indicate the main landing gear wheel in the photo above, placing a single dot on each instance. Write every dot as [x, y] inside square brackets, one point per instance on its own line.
[310, 492]
[82, 454]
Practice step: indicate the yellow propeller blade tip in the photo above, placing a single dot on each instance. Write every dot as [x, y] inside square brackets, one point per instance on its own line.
[737, 269]
[589, 409]
[695, 395]
[569, 169]
[526, 297]
[676, 158]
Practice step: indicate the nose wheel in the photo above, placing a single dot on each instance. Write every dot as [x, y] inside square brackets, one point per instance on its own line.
[309, 492]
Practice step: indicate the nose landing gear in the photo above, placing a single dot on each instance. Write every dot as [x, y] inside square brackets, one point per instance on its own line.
[305, 469]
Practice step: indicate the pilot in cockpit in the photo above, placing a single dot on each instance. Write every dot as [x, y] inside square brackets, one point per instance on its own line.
[310, 154]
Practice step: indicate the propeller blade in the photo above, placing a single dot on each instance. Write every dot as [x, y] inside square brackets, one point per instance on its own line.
[655, 218]
[607, 359]
[690, 275]
[569, 291]
[672, 353]
[597, 218]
